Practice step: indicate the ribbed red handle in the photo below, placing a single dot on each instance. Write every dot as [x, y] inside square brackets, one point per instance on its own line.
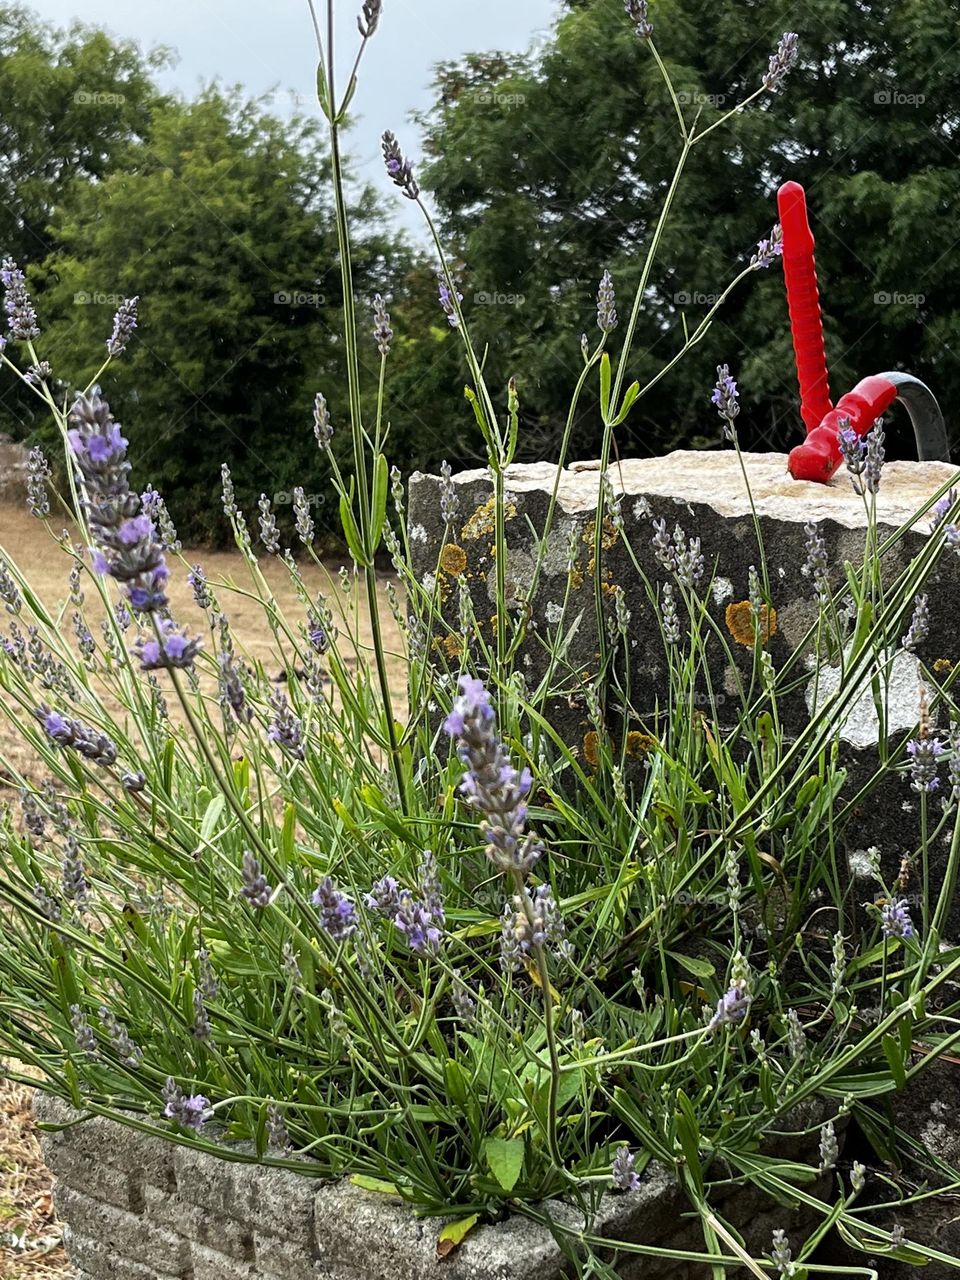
[803, 300]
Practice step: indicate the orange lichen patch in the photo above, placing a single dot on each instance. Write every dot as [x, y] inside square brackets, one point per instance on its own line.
[576, 578]
[609, 588]
[608, 538]
[453, 559]
[640, 744]
[740, 622]
[591, 747]
[484, 519]
[942, 666]
[452, 646]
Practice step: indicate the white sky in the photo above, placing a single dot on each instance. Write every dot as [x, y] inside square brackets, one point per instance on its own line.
[268, 44]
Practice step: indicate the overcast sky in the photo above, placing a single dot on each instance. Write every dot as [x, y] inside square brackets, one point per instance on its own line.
[268, 44]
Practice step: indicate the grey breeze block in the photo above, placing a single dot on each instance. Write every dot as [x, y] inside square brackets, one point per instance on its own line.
[705, 493]
[136, 1207]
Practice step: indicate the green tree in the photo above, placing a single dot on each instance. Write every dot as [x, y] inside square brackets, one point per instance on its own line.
[547, 169]
[72, 103]
[221, 223]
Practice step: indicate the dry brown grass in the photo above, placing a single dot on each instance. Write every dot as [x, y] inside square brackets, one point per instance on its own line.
[30, 1246]
[30, 1236]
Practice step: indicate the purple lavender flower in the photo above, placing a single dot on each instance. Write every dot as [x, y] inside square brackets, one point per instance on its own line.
[197, 580]
[924, 753]
[417, 923]
[338, 916]
[781, 61]
[430, 889]
[129, 1053]
[369, 18]
[153, 506]
[853, 450]
[382, 333]
[491, 784]
[449, 496]
[285, 728]
[169, 649]
[606, 304]
[919, 627]
[66, 732]
[188, 1112]
[769, 249]
[322, 428]
[941, 507]
[9, 591]
[124, 323]
[398, 167]
[127, 546]
[623, 1173]
[269, 533]
[816, 566]
[448, 297]
[21, 315]
[277, 1134]
[255, 888]
[895, 919]
[636, 11]
[384, 897]
[73, 879]
[873, 457]
[83, 1034]
[461, 998]
[134, 782]
[530, 921]
[317, 633]
[732, 1007]
[38, 473]
[726, 397]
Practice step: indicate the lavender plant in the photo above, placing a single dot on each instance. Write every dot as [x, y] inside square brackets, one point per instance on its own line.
[533, 970]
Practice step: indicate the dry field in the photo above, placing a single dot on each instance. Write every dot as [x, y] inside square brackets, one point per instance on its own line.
[29, 1236]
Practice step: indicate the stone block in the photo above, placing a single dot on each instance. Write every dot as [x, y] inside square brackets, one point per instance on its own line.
[101, 1141]
[128, 1235]
[266, 1200]
[705, 493]
[100, 1260]
[178, 1214]
[209, 1264]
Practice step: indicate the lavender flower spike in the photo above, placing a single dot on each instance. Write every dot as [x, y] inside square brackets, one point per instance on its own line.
[781, 61]
[187, 1112]
[606, 304]
[769, 249]
[398, 167]
[66, 732]
[338, 916]
[726, 398]
[636, 11]
[624, 1174]
[369, 19]
[895, 919]
[382, 333]
[924, 753]
[491, 784]
[21, 316]
[448, 298]
[124, 323]
[732, 1006]
[255, 888]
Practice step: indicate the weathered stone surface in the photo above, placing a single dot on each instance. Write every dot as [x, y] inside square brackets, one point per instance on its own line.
[705, 493]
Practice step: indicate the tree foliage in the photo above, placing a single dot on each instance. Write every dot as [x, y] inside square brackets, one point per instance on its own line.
[549, 168]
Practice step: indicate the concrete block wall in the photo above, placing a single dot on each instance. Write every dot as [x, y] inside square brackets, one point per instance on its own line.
[138, 1208]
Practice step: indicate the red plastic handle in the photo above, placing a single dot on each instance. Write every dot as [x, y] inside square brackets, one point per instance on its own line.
[820, 455]
[803, 300]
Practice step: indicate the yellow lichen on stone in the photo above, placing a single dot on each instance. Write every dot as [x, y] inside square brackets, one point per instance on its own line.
[640, 744]
[740, 622]
[942, 666]
[453, 559]
[608, 538]
[591, 747]
[484, 519]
